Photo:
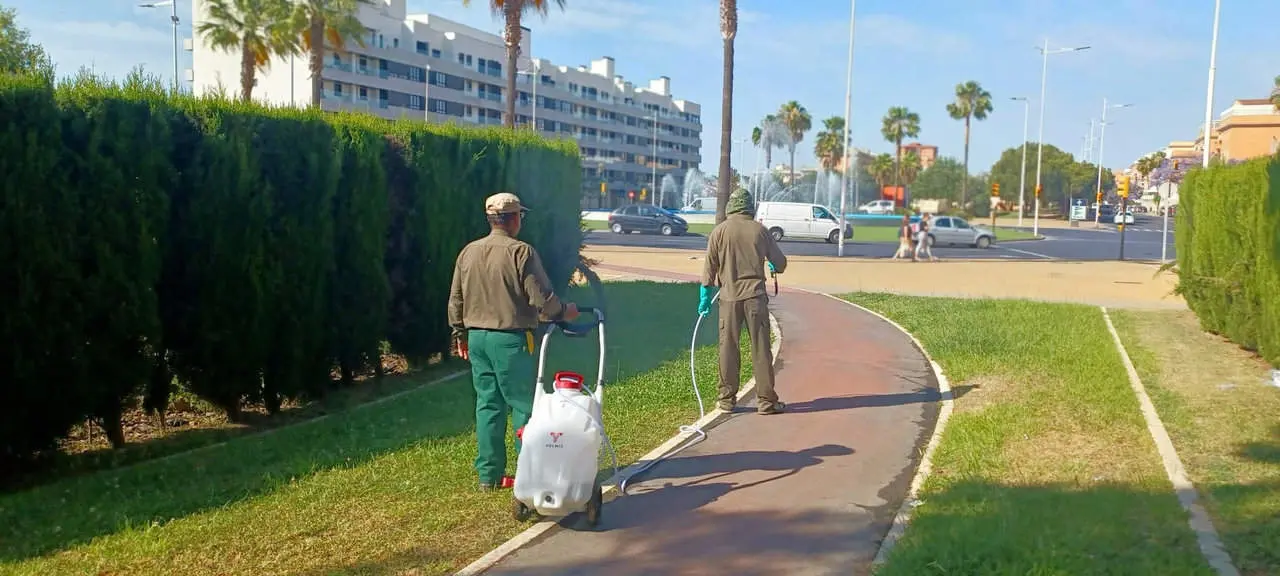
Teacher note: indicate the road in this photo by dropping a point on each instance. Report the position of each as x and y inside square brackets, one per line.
[1142, 242]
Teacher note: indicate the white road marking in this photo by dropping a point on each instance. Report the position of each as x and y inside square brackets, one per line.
[1027, 252]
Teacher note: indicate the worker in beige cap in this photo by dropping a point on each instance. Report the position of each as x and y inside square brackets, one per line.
[499, 293]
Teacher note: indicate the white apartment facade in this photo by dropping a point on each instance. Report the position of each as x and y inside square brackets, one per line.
[416, 67]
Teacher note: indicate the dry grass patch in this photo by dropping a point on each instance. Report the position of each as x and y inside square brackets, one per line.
[1224, 418]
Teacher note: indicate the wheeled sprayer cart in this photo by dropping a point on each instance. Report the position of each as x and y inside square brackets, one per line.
[560, 445]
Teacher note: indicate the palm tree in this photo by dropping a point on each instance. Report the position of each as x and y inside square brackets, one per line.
[972, 102]
[259, 29]
[828, 148]
[728, 31]
[1275, 94]
[768, 135]
[512, 12]
[881, 170]
[911, 168]
[326, 22]
[796, 120]
[898, 124]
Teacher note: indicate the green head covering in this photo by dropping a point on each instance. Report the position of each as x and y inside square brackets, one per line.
[740, 203]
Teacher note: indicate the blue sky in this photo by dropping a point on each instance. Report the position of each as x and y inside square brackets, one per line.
[1151, 53]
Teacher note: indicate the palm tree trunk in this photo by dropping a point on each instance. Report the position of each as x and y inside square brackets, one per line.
[964, 183]
[315, 35]
[729, 31]
[512, 37]
[246, 72]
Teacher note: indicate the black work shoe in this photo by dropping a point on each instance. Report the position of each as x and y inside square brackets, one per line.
[775, 408]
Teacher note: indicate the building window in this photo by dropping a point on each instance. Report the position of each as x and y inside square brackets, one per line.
[438, 106]
[416, 74]
[364, 93]
[395, 42]
[438, 79]
[423, 48]
[468, 63]
[462, 58]
[435, 53]
[415, 102]
[337, 89]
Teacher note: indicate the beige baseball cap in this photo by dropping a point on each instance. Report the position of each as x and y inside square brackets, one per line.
[503, 203]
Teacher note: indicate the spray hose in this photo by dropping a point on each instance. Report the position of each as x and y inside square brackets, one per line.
[694, 430]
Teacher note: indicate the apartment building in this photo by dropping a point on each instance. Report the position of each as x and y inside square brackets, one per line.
[927, 153]
[421, 67]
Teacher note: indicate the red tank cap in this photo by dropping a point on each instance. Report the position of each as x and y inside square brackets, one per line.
[568, 381]
[520, 433]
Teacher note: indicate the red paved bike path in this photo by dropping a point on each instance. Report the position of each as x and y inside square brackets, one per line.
[811, 491]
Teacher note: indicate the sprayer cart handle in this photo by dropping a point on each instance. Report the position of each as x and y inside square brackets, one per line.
[575, 330]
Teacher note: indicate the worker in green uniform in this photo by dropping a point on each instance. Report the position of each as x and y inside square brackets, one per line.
[736, 253]
[500, 292]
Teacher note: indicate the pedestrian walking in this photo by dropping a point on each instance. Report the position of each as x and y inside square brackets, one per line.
[499, 291]
[736, 253]
[922, 238]
[905, 236]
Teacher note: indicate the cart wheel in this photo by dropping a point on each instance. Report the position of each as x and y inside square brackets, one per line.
[595, 507]
[520, 512]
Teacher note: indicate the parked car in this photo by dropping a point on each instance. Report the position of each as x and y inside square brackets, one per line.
[646, 218]
[800, 220]
[953, 230]
[1124, 218]
[877, 207]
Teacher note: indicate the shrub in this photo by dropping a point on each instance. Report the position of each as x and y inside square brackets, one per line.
[1228, 245]
[244, 251]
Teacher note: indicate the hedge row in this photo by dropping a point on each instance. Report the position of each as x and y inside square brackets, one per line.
[246, 252]
[1228, 245]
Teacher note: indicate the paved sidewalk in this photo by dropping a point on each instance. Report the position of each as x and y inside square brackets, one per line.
[1111, 284]
[812, 491]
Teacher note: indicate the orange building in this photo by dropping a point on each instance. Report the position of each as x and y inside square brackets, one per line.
[1247, 129]
[928, 153]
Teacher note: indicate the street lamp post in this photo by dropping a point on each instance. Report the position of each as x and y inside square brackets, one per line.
[654, 160]
[1022, 180]
[1102, 144]
[173, 17]
[1044, 75]
[1213, 67]
[848, 121]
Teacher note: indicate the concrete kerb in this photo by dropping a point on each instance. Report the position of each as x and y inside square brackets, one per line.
[543, 528]
[1201, 524]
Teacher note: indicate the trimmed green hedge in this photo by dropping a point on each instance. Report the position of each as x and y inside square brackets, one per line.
[246, 252]
[1229, 252]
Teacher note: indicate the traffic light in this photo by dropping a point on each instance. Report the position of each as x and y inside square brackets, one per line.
[604, 188]
[1038, 189]
[1175, 164]
[1099, 197]
[995, 189]
[643, 192]
[1122, 187]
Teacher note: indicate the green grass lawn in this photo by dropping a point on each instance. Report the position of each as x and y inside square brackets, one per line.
[1224, 419]
[861, 233]
[380, 488]
[1046, 466]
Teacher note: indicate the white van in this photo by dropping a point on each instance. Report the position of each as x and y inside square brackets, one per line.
[799, 220]
[701, 204]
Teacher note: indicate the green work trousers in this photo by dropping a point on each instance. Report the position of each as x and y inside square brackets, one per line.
[754, 313]
[502, 372]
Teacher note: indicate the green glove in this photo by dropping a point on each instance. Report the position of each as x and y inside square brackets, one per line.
[772, 270]
[704, 300]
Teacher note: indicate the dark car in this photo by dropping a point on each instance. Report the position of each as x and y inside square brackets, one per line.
[646, 218]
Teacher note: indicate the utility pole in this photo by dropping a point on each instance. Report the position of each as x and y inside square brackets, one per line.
[848, 122]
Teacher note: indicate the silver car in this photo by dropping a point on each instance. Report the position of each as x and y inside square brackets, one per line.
[953, 230]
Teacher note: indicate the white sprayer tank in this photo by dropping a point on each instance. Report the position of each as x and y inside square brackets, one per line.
[558, 463]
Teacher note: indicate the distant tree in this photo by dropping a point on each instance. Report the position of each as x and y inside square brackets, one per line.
[258, 29]
[829, 146]
[321, 24]
[940, 181]
[1275, 94]
[911, 168]
[897, 125]
[18, 54]
[797, 121]
[972, 102]
[512, 12]
[882, 170]
[1063, 177]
